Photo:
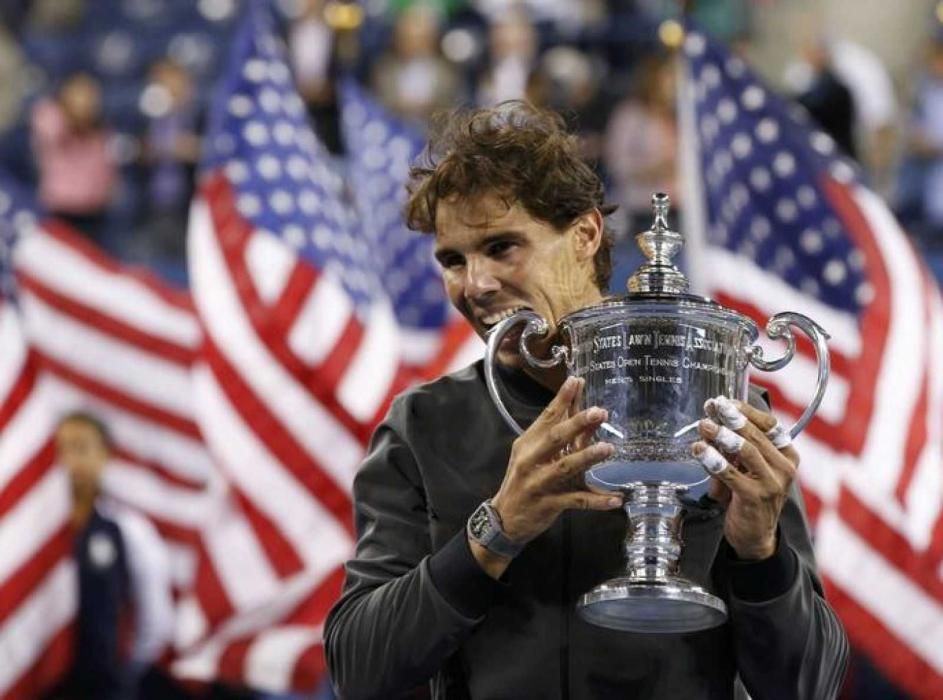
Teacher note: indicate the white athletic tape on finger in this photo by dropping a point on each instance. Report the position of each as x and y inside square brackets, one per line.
[713, 461]
[779, 436]
[728, 440]
[728, 413]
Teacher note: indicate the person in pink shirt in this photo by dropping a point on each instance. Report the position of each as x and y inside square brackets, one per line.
[73, 151]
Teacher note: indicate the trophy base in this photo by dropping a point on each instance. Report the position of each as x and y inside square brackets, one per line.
[672, 605]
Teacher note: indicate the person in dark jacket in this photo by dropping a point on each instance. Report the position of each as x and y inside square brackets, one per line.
[518, 221]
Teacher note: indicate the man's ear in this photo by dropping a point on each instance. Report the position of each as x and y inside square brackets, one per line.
[587, 234]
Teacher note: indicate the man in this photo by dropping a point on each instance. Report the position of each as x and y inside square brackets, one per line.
[123, 574]
[518, 223]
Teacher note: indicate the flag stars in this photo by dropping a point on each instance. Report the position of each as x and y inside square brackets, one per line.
[694, 44]
[248, 205]
[256, 133]
[375, 132]
[278, 72]
[254, 70]
[727, 111]
[760, 178]
[710, 76]
[864, 293]
[281, 202]
[741, 145]
[843, 172]
[760, 228]
[240, 106]
[269, 167]
[856, 259]
[806, 197]
[270, 100]
[767, 130]
[735, 67]
[237, 171]
[811, 241]
[710, 127]
[784, 164]
[309, 202]
[297, 168]
[321, 237]
[810, 286]
[284, 133]
[783, 259]
[823, 143]
[835, 272]
[753, 98]
[786, 210]
[294, 236]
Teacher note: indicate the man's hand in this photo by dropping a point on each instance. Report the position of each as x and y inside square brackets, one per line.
[751, 474]
[545, 473]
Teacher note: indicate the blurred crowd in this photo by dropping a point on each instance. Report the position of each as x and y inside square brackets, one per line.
[102, 104]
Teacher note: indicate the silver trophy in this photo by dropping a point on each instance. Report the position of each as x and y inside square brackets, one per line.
[652, 358]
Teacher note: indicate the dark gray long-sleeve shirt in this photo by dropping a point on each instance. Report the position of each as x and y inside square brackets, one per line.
[417, 607]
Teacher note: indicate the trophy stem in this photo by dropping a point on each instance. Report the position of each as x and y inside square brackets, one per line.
[653, 539]
[652, 595]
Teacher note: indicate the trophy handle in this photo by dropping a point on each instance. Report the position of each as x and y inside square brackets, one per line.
[536, 325]
[779, 327]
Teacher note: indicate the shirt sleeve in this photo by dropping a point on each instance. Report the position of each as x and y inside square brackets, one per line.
[789, 642]
[404, 610]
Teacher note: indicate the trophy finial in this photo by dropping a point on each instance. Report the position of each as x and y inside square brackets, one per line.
[660, 245]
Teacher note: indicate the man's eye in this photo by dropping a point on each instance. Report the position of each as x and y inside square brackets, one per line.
[450, 262]
[499, 247]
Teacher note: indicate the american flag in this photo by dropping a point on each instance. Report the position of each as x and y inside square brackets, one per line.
[80, 332]
[780, 220]
[303, 349]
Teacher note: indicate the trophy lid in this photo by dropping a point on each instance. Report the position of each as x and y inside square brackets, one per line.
[660, 244]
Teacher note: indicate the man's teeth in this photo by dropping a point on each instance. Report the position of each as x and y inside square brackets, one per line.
[500, 316]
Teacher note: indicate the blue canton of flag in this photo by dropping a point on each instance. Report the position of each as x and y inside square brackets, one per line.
[761, 160]
[381, 149]
[18, 213]
[284, 179]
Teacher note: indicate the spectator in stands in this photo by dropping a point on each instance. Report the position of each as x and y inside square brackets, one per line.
[123, 575]
[641, 143]
[311, 42]
[920, 194]
[413, 79]
[172, 150]
[512, 44]
[73, 151]
[826, 97]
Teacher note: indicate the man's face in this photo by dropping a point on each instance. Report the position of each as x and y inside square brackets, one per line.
[82, 451]
[498, 259]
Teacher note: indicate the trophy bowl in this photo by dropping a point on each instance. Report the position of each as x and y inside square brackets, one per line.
[652, 359]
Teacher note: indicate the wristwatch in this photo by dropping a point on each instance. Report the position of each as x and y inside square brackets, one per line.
[484, 527]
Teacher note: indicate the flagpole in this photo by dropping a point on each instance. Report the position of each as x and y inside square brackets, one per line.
[693, 219]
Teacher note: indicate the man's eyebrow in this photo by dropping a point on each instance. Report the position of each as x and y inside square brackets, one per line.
[501, 235]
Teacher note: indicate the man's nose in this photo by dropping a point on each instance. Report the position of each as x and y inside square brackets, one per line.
[480, 279]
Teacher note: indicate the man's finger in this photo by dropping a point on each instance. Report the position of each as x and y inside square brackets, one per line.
[717, 466]
[578, 462]
[777, 433]
[559, 406]
[561, 436]
[759, 453]
[586, 500]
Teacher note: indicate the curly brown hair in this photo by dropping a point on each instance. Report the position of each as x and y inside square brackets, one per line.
[518, 152]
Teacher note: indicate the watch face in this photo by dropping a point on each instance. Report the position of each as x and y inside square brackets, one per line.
[479, 523]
